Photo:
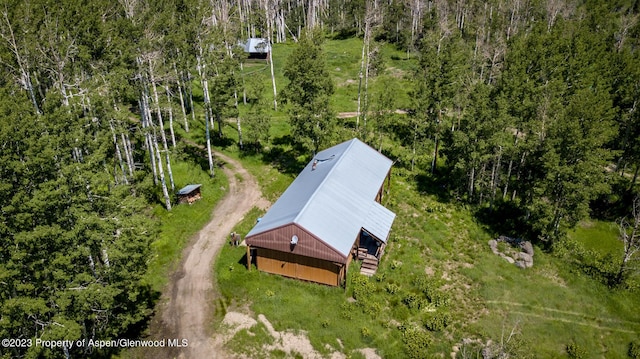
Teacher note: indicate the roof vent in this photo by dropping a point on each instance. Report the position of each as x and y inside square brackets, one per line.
[317, 161]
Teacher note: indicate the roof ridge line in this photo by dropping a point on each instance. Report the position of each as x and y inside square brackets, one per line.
[295, 219]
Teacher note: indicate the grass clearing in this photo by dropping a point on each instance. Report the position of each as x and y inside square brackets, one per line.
[599, 236]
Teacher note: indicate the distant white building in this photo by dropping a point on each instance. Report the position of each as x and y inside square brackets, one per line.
[257, 48]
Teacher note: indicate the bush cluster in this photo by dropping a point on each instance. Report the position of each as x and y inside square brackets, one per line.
[575, 351]
[362, 288]
[436, 321]
[416, 342]
[603, 268]
[634, 350]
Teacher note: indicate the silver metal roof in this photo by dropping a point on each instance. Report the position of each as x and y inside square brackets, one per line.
[189, 188]
[378, 222]
[335, 200]
[257, 45]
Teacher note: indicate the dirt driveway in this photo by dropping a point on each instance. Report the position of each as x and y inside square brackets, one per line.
[185, 309]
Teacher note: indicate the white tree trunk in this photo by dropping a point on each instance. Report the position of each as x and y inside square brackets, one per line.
[273, 77]
[189, 89]
[207, 111]
[118, 154]
[182, 105]
[127, 153]
[170, 110]
[25, 78]
[165, 192]
[361, 74]
[144, 112]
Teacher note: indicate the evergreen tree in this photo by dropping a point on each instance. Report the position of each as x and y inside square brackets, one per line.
[440, 78]
[257, 123]
[308, 92]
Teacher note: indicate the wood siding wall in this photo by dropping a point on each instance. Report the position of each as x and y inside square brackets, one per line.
[279, 239]
[300, 267]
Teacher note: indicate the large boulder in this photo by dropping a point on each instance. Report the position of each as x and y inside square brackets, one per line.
[527, 247]
[507, 258]
[493, 244]
[526, 258]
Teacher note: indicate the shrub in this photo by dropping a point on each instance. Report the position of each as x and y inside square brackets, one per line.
[439, 299]
[416, 342]
[603, 268]
[574, 351]
[392, 288]
[426, 286]
[411, 300]
[634, 350]
[372, 308]
[436, 321]
[346, 310]
[362, 288]
[430, 289]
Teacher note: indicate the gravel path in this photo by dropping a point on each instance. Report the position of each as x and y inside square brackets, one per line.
[186, 306]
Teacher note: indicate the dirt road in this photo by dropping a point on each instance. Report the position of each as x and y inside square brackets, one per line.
[186, 305]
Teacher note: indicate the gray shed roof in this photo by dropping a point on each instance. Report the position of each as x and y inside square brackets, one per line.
[335, 200]
[257, 45]
[189, 188]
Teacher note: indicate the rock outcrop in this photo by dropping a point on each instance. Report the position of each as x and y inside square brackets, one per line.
[516, 252]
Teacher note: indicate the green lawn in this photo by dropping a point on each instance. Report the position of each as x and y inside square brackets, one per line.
[599, 236]
[343, 63]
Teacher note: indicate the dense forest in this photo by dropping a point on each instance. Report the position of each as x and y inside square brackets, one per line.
[524, 109]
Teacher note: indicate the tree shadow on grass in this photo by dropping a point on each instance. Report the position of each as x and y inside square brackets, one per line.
[436, 186]
[195, 154]
[616, 203]
[222, 142]
[284, 155]
[344, 33]
[507, 219]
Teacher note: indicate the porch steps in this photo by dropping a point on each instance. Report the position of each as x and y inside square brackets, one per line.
[369, 265]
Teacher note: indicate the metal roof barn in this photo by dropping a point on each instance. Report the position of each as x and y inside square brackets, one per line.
[323, 212]
[257, 47]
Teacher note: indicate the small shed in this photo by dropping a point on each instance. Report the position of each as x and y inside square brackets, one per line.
[257, 48]
[330, 214]
[189, 193]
